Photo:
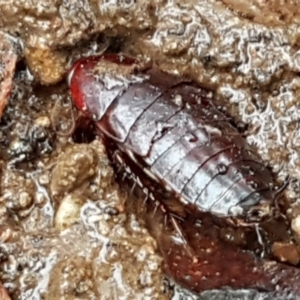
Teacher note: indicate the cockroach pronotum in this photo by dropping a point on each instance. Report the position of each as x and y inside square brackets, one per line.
[190, 159]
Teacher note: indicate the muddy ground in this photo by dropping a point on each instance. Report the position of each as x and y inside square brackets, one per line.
[65, 230]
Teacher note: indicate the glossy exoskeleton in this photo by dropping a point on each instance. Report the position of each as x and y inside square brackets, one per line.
[178, 144]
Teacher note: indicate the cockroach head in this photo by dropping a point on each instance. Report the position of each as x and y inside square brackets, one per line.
[81, 81]
[96, 81]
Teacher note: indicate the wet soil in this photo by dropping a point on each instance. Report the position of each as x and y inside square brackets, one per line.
[64, 229]
[8, 62]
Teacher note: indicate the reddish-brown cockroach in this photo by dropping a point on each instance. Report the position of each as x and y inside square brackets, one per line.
[188, 157]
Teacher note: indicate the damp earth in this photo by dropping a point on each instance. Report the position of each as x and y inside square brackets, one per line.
[66, 229]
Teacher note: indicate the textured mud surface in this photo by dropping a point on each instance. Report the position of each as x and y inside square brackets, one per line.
[64, 232]
[8, 59]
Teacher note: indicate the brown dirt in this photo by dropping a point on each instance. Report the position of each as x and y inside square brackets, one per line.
[54, 193]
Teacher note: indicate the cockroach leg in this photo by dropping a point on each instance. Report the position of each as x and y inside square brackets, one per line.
[133, 187]
[260, 240]
[181, 234]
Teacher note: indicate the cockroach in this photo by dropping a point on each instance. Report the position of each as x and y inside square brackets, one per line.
[190, 159]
